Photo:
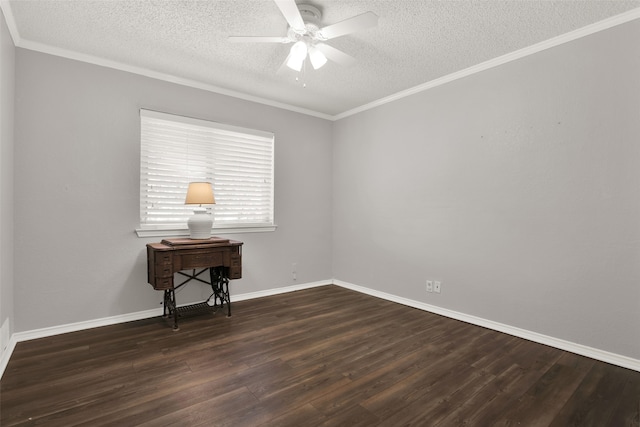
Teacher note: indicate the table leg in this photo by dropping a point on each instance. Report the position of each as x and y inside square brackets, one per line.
[164, 303]
[220, 287]
[170, 306]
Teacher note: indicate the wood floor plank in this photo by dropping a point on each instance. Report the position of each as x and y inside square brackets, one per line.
[490, 400]
[546, 397]
[305, 415]
[418, 386]
[325, 356]
[587, 406]
[627, 412]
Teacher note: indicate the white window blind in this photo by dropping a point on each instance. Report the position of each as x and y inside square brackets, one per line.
[176, 150]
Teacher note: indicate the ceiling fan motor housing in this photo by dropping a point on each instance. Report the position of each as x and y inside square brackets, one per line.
[310, 14]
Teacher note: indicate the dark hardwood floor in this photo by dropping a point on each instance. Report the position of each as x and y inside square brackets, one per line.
[322, 356]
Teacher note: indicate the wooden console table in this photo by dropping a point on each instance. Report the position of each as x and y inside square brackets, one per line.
[222, 258]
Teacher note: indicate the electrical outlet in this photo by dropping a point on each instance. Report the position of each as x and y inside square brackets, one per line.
[429, 286]
[294, 273]
[437, 286]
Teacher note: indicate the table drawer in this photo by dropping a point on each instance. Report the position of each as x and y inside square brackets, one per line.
[201, 260]
[163, 258]
[235, 269]
[163, 270]
[163, 283]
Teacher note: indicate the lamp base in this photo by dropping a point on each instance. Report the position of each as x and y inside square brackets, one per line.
[200, 224]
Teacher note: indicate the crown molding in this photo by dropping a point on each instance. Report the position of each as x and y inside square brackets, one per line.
[501, 60]
[613, 21]
[39, 47]
[18, 41]
[5, 7]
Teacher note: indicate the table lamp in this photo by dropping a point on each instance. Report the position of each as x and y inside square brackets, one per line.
[200, 193]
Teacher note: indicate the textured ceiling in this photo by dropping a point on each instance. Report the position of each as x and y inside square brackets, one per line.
[416, 41]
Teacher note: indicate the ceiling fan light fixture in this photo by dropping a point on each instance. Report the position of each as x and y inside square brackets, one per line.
[316, 57]
[297, 55]
[308, 35]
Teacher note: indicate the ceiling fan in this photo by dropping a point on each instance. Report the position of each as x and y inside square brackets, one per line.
[308, 37]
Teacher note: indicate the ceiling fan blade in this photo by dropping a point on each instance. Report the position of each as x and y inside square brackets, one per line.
[291, 13]
[252, 39]
[351, 25]
[336, 55]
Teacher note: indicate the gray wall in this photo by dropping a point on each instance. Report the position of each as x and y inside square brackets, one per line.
[518, 188]
[7, 62]
[77, 191]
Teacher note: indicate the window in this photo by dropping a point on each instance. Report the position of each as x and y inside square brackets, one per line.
[176, 150]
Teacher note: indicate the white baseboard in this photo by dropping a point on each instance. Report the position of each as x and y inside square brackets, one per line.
[88, 324]
[594, 353]
[71, 327]
[583, 350]
[276, 291]
[105, 321]
[6, 355]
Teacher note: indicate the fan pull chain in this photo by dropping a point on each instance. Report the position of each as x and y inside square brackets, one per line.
[302, 80]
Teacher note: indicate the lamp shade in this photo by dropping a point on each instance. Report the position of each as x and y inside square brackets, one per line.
[200, 193]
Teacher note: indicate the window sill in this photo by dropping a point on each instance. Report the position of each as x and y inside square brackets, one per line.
[184, 232]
